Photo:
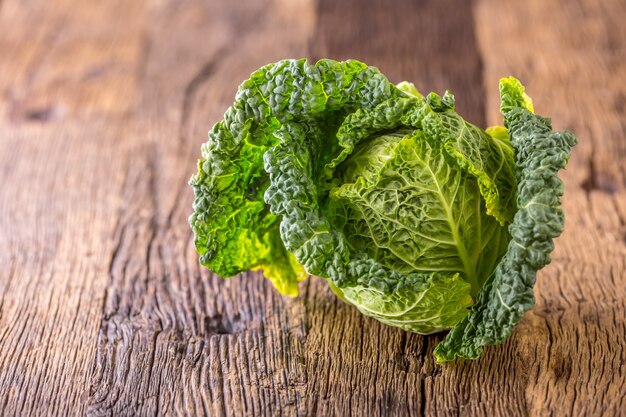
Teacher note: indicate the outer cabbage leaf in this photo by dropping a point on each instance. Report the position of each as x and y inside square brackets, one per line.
[539, 155]
[233, 229]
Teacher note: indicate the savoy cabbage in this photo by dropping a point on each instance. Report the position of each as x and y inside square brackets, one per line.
[413, 215]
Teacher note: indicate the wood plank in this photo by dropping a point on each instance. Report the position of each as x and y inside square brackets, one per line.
[62, 144]
[571, 56]
[176, 339]
[356, 365]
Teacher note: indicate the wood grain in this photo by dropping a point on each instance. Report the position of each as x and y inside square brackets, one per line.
[104, 310]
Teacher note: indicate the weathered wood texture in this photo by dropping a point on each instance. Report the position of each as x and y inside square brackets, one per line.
[104, 310]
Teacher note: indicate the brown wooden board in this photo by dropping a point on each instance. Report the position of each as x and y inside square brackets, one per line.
[104, 310]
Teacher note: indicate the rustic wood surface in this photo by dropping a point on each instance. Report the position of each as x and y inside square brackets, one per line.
[104, 310]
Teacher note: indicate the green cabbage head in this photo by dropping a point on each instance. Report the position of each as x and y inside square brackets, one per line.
[413, 215]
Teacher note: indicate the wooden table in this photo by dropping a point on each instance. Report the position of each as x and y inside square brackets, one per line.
[104, 310]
